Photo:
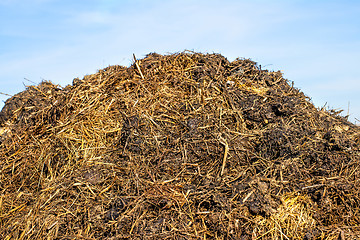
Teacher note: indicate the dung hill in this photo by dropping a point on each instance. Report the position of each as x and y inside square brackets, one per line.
[181, 146]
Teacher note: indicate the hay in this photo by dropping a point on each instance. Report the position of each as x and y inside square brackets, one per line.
[181, 146]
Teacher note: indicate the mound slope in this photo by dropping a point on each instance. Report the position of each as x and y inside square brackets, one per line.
[181, 146]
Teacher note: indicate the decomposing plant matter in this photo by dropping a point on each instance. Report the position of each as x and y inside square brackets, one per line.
[181, 146]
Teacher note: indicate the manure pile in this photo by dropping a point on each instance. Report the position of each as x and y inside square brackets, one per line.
[181, 146]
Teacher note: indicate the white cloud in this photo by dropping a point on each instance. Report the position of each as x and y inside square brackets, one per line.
[89, 18]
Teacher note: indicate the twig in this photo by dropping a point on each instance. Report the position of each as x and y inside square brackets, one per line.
[142, 76]
[313, 186]
[226, 145]
[138, 67]
[6, 94]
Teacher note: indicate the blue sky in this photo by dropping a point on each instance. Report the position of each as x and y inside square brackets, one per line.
[315, 43]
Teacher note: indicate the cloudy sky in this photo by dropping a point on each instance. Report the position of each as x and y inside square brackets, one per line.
[316, 44]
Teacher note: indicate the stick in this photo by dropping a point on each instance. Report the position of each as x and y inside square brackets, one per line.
[138, 67]
[223, 141]
[142, 76]
[5, 94]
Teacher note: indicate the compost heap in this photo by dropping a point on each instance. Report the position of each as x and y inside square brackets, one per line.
[181, 146]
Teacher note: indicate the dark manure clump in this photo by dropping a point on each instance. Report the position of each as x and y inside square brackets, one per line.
[180, 146]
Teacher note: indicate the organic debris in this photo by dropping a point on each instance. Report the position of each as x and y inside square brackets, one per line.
[181, 146]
